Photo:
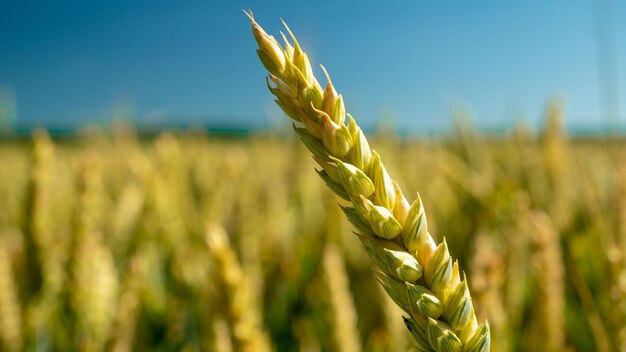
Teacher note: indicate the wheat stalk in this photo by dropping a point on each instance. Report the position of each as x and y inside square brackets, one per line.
[418, 275]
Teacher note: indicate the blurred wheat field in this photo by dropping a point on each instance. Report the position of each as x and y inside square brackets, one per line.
[202, 243]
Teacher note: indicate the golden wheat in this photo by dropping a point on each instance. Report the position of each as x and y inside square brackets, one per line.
[419, 275]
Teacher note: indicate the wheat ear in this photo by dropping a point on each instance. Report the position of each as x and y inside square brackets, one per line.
[418, 275]
[246, 323]
[548, 266]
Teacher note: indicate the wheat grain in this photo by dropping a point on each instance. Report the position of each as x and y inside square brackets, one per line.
[419, 275]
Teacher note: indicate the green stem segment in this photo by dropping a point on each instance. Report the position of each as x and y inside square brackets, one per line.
[419, 275]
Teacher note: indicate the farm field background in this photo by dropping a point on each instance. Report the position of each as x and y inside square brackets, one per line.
[190, 241]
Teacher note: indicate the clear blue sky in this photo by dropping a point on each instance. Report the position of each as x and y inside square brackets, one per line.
[72, 62]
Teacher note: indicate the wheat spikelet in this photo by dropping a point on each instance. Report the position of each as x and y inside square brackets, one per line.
[345, 328]
[419, 275]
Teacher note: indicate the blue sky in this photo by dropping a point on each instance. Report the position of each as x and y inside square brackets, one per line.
[194, 62]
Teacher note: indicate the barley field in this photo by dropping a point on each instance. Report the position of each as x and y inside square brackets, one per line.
[196, 242]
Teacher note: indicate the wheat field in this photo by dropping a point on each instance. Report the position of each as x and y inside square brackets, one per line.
[197, 242]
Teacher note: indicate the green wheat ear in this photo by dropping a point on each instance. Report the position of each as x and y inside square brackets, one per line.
[419, 275]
